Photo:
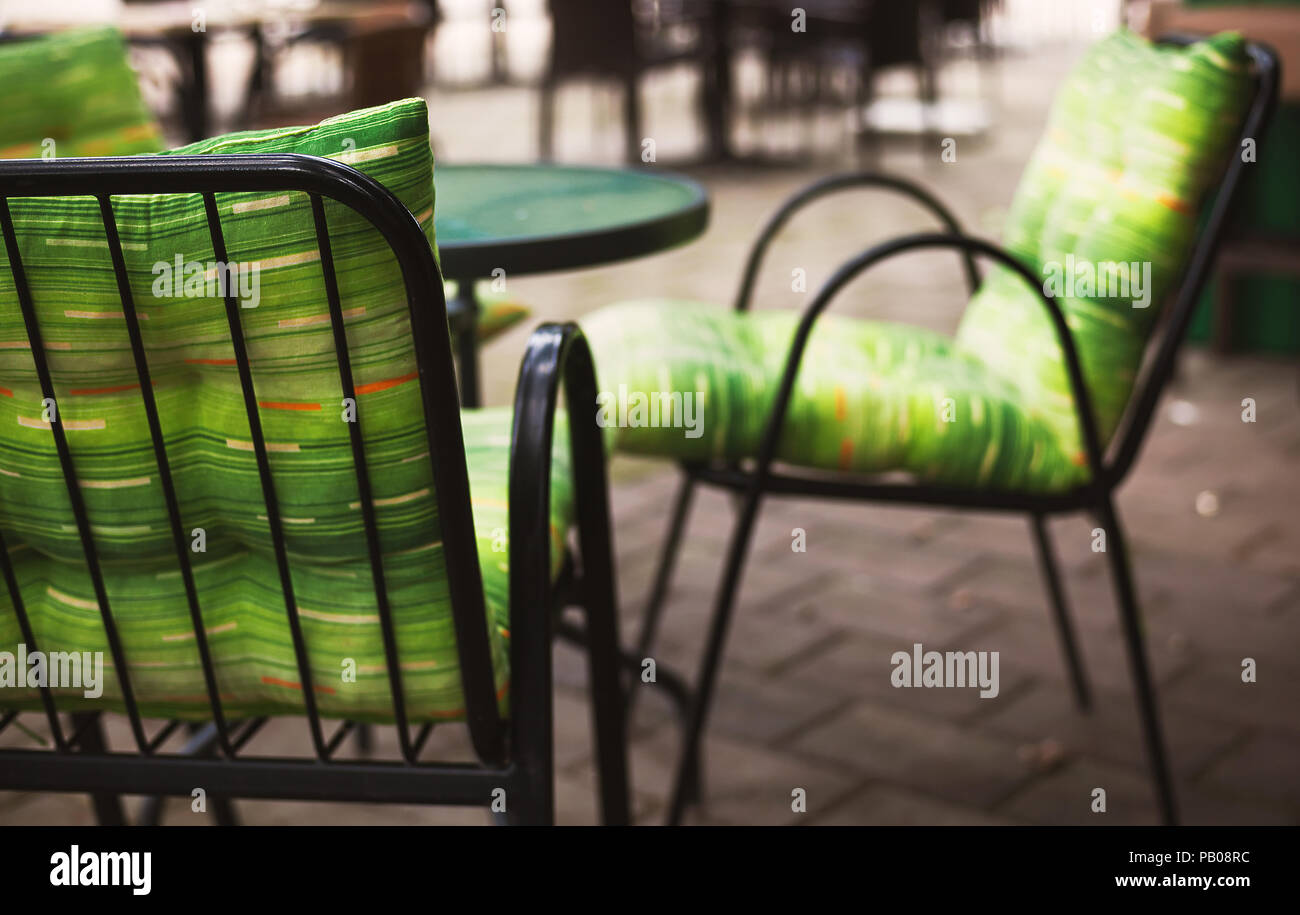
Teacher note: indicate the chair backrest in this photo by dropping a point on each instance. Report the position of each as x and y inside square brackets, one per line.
[1162, 351]
[242, 479]
[1108, 213]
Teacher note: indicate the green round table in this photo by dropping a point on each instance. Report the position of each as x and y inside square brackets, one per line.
[535, 218]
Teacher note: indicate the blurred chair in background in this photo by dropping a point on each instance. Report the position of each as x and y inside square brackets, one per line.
[606, 40]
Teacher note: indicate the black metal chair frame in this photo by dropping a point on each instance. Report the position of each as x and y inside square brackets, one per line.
[514, 753]
[602, 40]
[1108, 467]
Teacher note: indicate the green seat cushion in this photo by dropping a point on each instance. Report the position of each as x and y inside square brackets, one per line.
[870, 396]
[76, 89]
[1136, 138]
[200, 402]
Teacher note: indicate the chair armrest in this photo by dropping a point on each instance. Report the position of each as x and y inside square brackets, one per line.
[834, 184]
[872, 256]
[556, 353]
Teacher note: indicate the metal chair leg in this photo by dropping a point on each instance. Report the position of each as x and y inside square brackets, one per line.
[663, 575]
[1061, 614]
[632, 120]
[546, 122]
[1137, 656]
[654, 613]
[604, 659]
[108, 807]
[710, 662]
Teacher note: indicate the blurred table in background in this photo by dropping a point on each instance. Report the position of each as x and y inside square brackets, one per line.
[499, 221]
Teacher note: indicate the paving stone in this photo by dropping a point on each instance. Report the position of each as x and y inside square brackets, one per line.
[744, 784]
[1226, 588]
[876, 606]
[1032, 647]
[1047, 715]
[761, 710]
[888, 805]
[859, 667]
[1011, 535]
[1267, 768]
[1218, 694]
[1018, 585]
[917, 566]
[963, 765]
[48, 809]
[756, 641]
[1065, 797]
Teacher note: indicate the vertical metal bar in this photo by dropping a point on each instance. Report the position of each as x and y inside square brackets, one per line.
[374, 547]
[29, 639]
[1139, 665]
[107, 805]
[428, 313]
[466, 331]
[1061, 612]
[70, 475]
[663, 575]
[164, 467]
[268, 481]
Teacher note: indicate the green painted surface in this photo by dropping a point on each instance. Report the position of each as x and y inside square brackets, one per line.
[517, 202]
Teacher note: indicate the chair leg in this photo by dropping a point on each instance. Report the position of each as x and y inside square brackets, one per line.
[546, 122]
[1061, 614]
[632, 120]
[604, 661]
[710, 662]
[609, 715]
[654, 613]
[1137, 657]
[663, 575]
[108, 807]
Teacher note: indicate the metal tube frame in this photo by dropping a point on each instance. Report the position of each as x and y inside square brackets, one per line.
[513, 753]
[1107, 468]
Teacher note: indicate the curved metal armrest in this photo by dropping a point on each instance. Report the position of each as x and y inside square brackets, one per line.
[831, 185]
[873, 256]
[558, 353]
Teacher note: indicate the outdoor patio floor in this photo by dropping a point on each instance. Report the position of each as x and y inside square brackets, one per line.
[805, 699]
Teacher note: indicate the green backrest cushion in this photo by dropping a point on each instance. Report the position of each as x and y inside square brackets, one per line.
[291, 348]
[76, 89]
[1137, 135]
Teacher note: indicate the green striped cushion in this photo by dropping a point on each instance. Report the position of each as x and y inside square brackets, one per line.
[870, 396]
[1138, 134]
[1136, 138]
[291, 350]
[76, 89]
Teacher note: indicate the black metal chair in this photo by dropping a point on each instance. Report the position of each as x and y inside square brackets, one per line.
[1108, 467]
[603, 39]
[514, 754]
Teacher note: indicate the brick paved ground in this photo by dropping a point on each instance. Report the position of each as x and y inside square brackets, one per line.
[805, 700]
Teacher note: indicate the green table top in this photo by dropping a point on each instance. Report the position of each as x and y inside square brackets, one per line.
[534, 218]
